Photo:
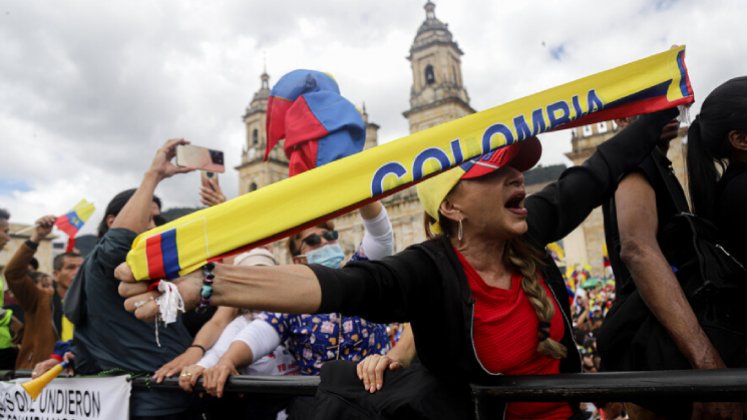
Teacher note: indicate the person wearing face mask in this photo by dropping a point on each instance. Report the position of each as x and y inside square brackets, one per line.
[313, 339]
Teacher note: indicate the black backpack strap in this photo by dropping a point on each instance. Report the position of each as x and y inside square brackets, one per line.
[672, 185]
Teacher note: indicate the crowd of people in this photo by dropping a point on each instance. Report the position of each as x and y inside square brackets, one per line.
[402, 335]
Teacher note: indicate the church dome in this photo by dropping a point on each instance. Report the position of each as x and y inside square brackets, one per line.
[259, 100]
[264, 90]
[432, 30]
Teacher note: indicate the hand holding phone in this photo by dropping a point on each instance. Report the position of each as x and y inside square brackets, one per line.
[197, 157]
[210, 191]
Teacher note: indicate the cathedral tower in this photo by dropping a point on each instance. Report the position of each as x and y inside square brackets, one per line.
[437, 94]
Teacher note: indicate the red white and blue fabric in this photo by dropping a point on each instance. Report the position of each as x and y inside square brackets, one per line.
[70, 223]
[163, 258]
[319, 125]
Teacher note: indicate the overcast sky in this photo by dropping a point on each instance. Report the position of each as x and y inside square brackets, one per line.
[90, 89]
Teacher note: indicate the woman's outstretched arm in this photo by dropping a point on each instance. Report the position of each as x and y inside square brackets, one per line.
[288, 288]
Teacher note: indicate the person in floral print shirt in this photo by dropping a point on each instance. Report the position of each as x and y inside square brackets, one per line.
[313, 339]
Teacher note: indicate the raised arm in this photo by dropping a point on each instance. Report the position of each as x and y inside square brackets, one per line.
[17, 270]
[561, 206]
[135, 215]
[378, 236]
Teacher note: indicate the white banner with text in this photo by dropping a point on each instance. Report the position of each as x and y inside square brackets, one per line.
[106, 398]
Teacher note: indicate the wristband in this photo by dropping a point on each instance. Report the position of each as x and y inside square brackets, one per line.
[198, 347]
[31, 244]
[207, 286]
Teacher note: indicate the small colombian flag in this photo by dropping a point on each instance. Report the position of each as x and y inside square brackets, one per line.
[72, 221]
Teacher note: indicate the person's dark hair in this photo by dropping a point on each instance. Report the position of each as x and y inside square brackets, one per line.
[59, 259]
[116, 205]
[4, 214]
[294, 246]
[34, 263]
[708, 147]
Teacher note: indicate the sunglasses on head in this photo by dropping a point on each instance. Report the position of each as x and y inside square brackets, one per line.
[315, 239]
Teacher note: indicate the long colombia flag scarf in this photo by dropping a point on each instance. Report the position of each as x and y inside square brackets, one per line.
[273, 212]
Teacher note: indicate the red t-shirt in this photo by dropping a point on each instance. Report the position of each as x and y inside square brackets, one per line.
[505, 329]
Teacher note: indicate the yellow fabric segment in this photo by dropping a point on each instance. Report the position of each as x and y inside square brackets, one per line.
[67, 329]
[283, 206]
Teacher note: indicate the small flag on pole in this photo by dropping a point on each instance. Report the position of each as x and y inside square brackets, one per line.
[72, 221]
[556, 251]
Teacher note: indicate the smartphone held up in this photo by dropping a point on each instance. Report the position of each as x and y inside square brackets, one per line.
[197, 157]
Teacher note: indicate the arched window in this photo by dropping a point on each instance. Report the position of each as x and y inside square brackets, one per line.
[252, 186]
[255, 136]
[430, 77]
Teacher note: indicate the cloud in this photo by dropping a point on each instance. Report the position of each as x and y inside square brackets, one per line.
[89, 91]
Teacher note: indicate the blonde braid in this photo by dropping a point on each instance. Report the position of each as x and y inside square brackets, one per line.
[522, 257]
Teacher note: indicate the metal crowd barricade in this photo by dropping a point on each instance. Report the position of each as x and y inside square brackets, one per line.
[684, 385]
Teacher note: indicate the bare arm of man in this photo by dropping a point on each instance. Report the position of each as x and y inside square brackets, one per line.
[638, 223]
[652, 274]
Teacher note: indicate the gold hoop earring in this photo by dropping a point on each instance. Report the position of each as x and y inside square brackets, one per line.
[460, 231]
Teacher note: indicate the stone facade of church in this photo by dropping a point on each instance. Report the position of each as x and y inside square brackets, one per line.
[437, 95]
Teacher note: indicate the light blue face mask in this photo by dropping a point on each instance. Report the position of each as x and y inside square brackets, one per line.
[329, 255]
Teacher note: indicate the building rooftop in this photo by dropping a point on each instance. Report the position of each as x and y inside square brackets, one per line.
[543, 174]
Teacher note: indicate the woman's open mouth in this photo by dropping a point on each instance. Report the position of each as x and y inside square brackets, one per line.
[515, 204]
